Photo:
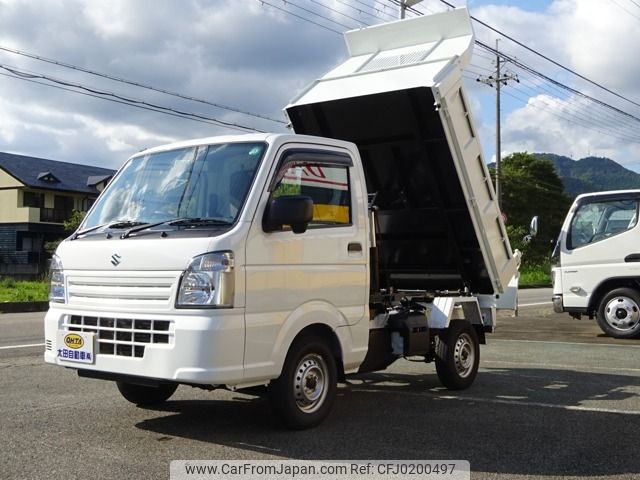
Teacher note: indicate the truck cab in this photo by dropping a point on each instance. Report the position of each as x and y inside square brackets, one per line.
[596, 270]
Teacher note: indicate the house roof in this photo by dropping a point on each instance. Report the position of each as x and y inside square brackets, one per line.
[53, 175]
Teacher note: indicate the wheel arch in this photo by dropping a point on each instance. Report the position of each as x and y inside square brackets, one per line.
[608, 285]
[325, 332]
[314, 318]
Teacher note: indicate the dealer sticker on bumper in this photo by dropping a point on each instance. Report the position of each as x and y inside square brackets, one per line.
[75, 346]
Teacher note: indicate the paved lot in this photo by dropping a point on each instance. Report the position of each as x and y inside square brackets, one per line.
[554, 399]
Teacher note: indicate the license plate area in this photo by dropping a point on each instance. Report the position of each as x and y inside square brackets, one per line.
[75, 347]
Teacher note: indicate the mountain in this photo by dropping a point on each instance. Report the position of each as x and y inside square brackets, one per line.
[591, 174]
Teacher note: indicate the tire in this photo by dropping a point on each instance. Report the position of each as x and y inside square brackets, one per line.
[143, 395]
[458, 355]
[619, 313]
[304, 393]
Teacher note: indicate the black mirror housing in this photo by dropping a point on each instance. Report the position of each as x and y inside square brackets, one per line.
[293, 210]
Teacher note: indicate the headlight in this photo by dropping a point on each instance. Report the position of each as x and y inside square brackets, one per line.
[208, 281]
[57, 291]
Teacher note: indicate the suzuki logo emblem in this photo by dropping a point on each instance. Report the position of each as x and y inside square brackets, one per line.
[115, 259]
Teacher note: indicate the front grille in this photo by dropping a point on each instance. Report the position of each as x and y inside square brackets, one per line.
[148, 291]
[122, 337]
[48, 345]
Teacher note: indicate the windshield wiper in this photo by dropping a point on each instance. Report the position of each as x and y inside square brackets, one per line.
[124, 224]
[141, 226]
[86, 230]
[177, 221]
[136, 226]
[200, 221]
[118, 224]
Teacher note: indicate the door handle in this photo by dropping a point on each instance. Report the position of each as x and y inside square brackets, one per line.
[634, 257]
[354, 247]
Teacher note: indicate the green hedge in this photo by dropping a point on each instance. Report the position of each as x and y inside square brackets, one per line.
[23, 291]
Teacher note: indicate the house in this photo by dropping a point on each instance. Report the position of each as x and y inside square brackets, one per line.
[36, 196]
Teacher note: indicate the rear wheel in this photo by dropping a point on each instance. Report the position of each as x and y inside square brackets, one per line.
[145, 395]
[304, 393]
[458, 356]
[619, 313]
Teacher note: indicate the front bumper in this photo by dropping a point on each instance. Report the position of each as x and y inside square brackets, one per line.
[198, 346]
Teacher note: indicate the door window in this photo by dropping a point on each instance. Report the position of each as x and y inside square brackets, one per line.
[326, 185]
[598, 220]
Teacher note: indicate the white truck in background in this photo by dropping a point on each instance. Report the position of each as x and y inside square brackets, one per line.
[292, 260]
[596, 268]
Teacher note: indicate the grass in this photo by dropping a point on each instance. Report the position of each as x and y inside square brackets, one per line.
[23, 291]
[535, 275]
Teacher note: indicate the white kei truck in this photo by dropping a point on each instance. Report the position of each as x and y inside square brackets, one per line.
[596, 262]
[287, 261]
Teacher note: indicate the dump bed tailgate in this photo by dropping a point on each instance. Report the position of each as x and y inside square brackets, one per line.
[399, 98]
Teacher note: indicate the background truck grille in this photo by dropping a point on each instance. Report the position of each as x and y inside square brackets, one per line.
[122, 336]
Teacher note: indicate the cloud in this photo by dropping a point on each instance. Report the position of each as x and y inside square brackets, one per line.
[569, 126]
[591, 37]
[254, 58]
[240, 54]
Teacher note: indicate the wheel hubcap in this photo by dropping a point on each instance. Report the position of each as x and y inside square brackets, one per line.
[464, 355]
[622, 314]
[309, 383]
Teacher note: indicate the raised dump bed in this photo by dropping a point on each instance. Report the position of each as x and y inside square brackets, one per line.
[399, 97]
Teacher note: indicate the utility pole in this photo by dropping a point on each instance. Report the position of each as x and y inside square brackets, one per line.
[407, 3]
[499, 80]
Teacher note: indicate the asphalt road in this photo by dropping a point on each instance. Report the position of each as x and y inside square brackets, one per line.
[554, 399]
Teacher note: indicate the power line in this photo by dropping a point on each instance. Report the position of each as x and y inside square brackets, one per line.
[539, 74]
[339, 12]
[136, 84]
[289, 2]
[549, 108]
[122, 99]
[112, 100]
[574, 117]
[373, 6]
[621, 7]
[555, 82]
[264, 2]
[550, 60]
[603, 114]
[542, 76]
[600, 117]
[526, 69]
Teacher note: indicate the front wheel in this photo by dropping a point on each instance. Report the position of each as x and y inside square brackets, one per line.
[458, 355]
[304, 393]
[619, 313]
[143, 395]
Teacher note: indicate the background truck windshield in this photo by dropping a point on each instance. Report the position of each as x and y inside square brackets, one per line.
[207, 182]
[602, 219]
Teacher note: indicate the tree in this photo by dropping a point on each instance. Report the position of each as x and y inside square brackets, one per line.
[531, 186]
[73, 222]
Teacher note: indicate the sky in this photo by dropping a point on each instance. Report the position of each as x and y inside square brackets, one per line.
[243, 60]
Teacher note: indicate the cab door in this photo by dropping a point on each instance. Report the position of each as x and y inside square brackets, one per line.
[319, 276]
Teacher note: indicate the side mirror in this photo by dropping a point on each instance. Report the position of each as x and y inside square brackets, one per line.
[533, 230]
[293, 210]
[533, 227]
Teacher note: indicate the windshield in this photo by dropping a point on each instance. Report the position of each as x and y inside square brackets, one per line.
[601, 219]
[206, 182]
